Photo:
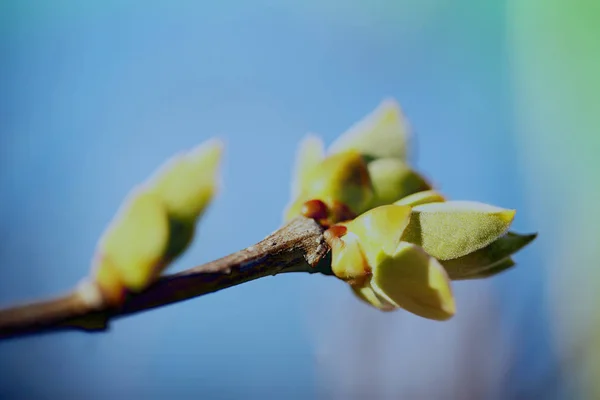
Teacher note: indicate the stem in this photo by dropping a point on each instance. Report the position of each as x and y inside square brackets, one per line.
[297, 247]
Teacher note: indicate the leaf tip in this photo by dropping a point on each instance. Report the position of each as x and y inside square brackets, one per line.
[508, 215]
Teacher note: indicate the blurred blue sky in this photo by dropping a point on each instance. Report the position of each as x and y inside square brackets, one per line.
[95, 95]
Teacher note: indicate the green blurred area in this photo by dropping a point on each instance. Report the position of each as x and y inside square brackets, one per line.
[555, 51]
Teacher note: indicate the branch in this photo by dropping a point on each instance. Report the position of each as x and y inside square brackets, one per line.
[296, 247]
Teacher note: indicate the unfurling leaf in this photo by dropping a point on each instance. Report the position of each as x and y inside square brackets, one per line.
[392, 180]
[415, 281]
[382, 134]
[483, 259]
[425, 197]
[385, 272]
[456, 228]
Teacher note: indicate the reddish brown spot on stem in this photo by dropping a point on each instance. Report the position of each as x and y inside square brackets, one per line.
[315, 209]
[332, 236]
[336, 231]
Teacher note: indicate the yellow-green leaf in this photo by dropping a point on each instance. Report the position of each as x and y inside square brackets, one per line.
[341, 178]
[379, 230]
[187, 183]
[381, 134]
[456, 228]
[424, 197]
[347, 259]
[136, 240]
[392, 180]
[482, 259]
[416, 282]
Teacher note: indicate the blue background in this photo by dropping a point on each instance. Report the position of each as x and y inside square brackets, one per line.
[95, 95]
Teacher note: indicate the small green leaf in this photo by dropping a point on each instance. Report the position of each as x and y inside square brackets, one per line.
[483, 259]
[181, 234]
[392, 180]
[456, 228]
[415, 281]
[381, 134]
[424, 197]
[493, 269]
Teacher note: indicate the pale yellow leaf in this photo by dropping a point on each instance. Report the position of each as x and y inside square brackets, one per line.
[415, 281]
[381, 134]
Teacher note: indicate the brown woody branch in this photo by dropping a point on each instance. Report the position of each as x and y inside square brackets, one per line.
[296, 247]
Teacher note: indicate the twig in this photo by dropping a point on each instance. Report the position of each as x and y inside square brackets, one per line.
[296, 247]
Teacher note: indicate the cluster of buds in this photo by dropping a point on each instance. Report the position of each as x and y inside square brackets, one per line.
[365, 168]
[397, 242]
[155, 224]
